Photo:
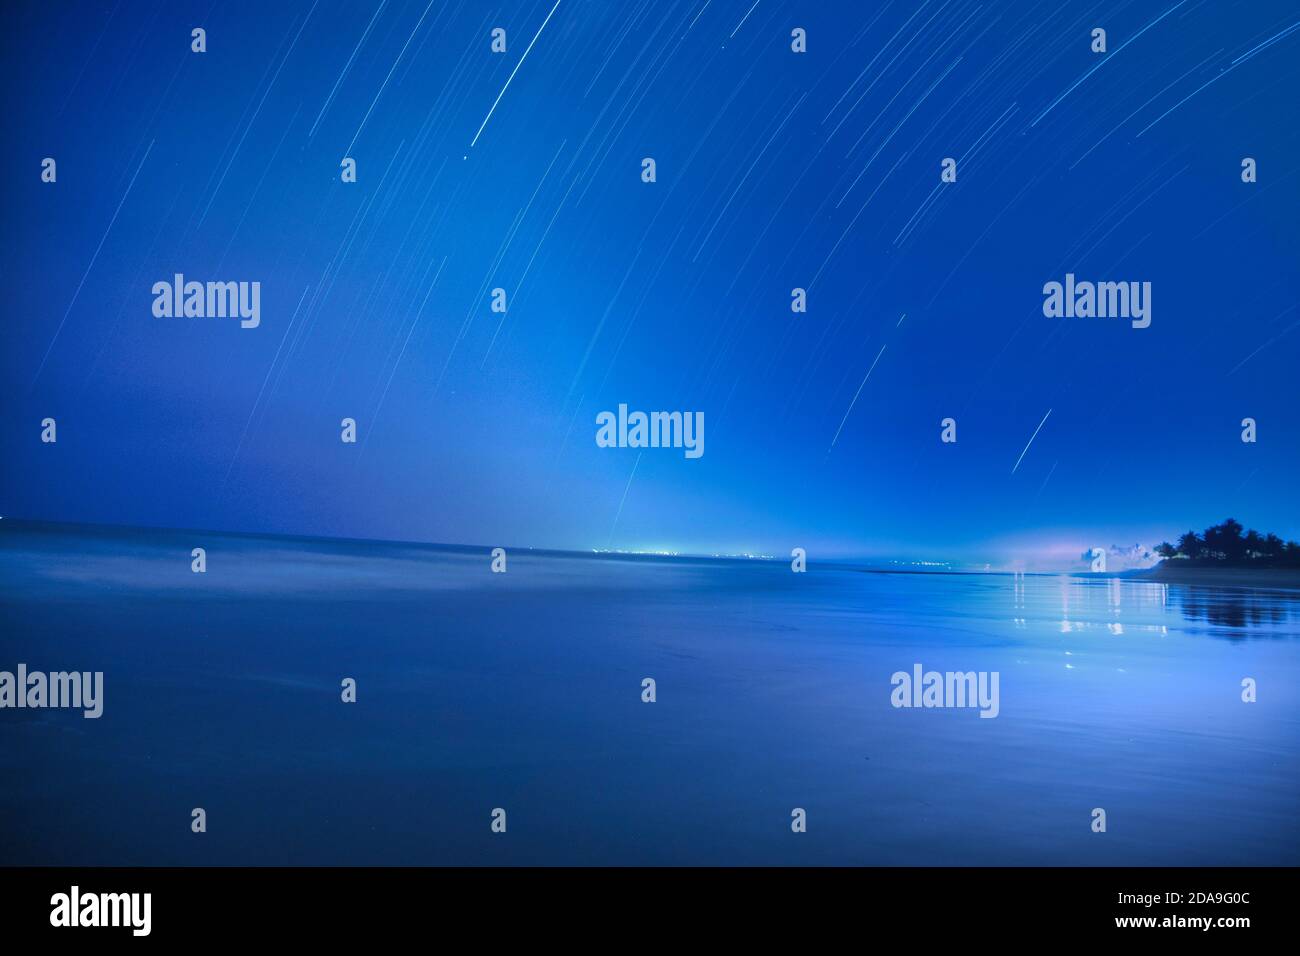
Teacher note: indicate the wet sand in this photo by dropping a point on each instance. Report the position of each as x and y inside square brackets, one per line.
[1284, 578]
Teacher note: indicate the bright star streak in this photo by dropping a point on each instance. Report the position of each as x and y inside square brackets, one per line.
[512, 74]
[1031, 441]
[855, 397]
[1102, 62]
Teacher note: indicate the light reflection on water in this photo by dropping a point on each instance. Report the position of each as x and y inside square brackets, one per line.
[479, 690]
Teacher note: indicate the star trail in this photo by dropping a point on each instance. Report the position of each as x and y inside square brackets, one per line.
[943, 159]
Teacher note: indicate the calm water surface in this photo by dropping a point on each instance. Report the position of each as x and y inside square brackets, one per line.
[523, 691]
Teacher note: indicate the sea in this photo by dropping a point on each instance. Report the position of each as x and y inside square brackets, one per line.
[520, 699]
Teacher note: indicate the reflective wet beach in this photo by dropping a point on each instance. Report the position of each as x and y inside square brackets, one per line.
[523, 691]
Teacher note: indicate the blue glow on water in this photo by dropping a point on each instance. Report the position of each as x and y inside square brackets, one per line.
[522, 690]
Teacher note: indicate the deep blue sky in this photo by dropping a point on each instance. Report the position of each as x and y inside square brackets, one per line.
[775, 170]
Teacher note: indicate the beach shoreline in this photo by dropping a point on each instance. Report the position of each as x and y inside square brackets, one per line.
[1287, 579]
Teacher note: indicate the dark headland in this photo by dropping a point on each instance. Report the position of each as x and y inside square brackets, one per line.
[1227, 555]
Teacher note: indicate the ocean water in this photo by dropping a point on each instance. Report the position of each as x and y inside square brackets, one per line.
[523, 691]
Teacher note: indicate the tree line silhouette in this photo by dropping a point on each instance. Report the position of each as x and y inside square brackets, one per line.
[1228, 544]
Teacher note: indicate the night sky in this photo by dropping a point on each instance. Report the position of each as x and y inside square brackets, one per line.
[775, 170]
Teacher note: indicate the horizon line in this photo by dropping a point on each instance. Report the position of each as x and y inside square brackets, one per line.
[858, 563]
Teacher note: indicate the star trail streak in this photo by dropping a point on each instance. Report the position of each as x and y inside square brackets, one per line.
[855, 396]
[944, 160]
[1031, 441]
[495, 102]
